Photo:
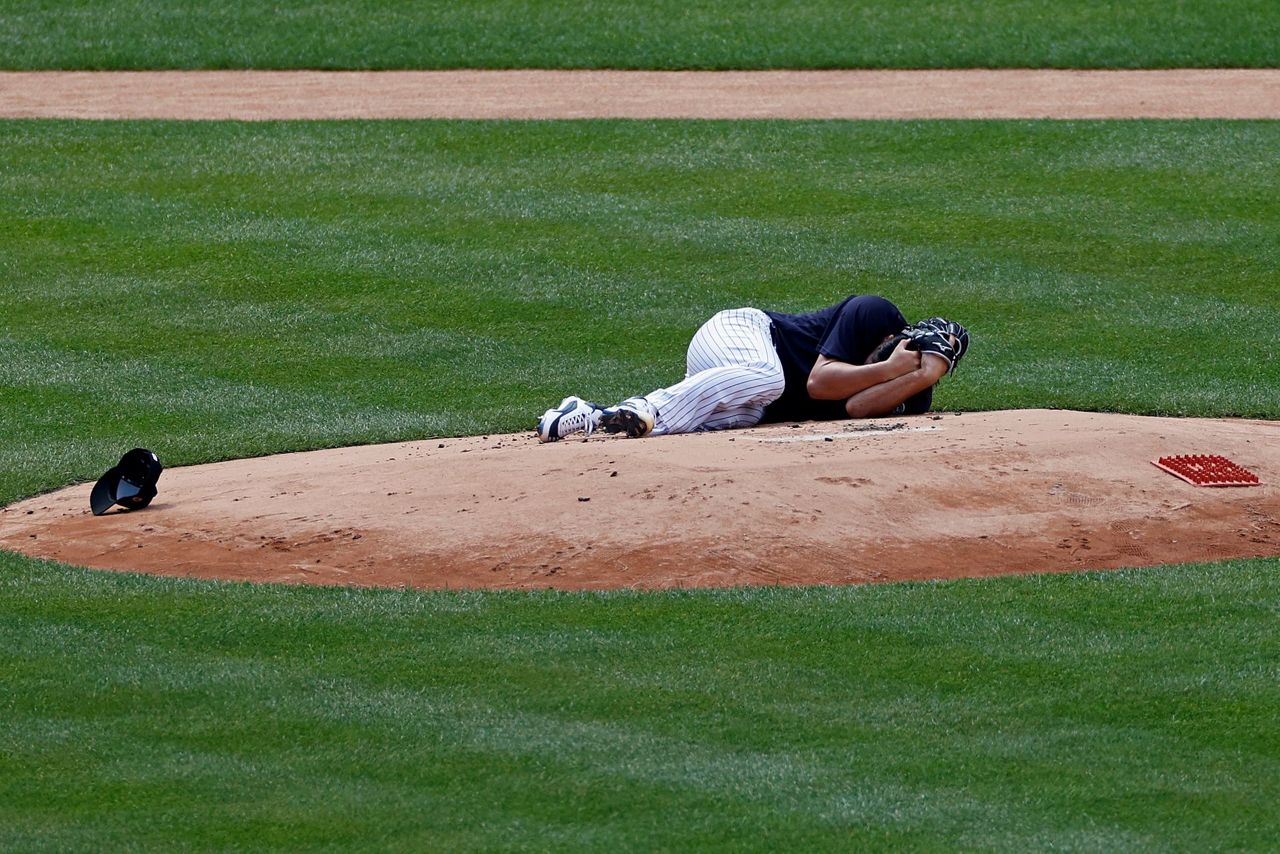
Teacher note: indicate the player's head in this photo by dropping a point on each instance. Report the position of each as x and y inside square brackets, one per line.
[886, 347]
[874, 317]
[918, 403]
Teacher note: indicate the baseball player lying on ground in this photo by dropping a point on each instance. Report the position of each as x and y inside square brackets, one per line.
[855, 359]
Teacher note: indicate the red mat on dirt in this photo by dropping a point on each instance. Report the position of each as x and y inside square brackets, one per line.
[1207, 470]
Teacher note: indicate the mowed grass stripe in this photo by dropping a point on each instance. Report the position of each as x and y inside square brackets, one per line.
[218, 290]
[660, 34]
[1057, 711]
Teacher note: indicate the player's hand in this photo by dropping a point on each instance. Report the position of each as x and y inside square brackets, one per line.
[941, 336]
[939, 364]
[903, 361]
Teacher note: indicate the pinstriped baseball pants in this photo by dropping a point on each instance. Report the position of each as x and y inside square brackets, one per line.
[733, 373]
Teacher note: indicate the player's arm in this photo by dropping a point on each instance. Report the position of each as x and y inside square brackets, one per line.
[832, 379]
[883, 398]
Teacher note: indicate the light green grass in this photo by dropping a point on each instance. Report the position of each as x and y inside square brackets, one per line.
[656, 34]
[1125, 711]
[223, 290]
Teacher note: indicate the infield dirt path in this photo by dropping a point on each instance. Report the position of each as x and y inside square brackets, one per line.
[1016, 93]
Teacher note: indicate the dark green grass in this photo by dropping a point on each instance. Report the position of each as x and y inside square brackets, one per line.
[223, 290]
[214, 290]
[1125, 711]
[616, 34]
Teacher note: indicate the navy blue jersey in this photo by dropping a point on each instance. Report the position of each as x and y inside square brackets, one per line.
[848, 332]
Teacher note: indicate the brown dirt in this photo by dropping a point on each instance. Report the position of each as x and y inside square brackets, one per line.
[929, 497]
[1011, 93]
[934, 496]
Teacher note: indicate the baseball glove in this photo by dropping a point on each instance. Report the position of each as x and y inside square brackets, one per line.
[934, 336]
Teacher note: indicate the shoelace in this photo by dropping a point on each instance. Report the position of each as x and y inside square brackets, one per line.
[582, 416]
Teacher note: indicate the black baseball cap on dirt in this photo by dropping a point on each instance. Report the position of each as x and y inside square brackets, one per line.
[131, 483]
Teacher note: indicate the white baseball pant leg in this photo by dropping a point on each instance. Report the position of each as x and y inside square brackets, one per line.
[733, 373]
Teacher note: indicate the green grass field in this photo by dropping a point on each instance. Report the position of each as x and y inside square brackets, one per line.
[1128, 711]
[216, 290]
[236, 289]
[99, 34]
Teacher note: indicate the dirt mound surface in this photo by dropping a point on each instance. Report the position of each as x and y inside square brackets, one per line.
[935, 496]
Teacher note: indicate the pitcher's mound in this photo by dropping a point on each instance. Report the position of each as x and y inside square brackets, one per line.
[935, 496]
